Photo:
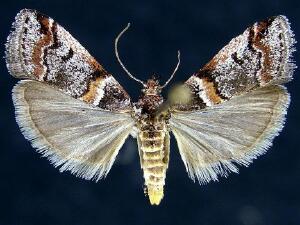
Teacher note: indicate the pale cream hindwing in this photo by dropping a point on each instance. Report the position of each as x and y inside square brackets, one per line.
[215, 140]
[74, 135]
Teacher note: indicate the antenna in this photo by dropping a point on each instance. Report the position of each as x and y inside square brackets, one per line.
[175, 70]
[118, 57]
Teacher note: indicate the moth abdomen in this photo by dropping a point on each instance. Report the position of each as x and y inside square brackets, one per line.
[154, 159]
[152, 144]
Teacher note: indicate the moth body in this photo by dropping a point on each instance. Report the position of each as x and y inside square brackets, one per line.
[153, 140]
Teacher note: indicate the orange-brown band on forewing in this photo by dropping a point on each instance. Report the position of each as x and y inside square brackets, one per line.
[258, 57]
[211, 92]
[257, 31]
[91, 94]
[205, 90]
[38, 50]
[275, 40]
[105, 92]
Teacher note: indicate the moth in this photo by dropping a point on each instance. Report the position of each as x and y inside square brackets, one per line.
[77, 115]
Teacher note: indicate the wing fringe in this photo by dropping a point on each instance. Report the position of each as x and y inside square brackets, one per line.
[206, 172]
[78, 166]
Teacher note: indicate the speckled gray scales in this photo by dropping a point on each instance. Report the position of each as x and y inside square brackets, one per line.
[40, 49]
[260, 56]
[78, 116]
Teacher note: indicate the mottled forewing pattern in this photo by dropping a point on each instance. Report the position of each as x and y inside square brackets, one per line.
[38, 48]
[260, 56]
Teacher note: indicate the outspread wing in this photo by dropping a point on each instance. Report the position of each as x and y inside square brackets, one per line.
[260, 56]
[213, 140]
[38, 48]
[236, 104]
[74, 135]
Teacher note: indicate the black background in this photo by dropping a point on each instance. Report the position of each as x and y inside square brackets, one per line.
[33, 192]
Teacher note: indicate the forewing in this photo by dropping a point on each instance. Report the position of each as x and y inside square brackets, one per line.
[260, 56]
[75, 136]
[214, 140]
[38, 48]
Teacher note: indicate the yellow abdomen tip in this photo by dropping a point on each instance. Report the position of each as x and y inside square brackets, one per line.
[155, 195]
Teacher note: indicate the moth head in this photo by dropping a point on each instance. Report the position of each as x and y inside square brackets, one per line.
[152, 87]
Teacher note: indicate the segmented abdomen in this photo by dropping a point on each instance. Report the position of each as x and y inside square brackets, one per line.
[154, 156]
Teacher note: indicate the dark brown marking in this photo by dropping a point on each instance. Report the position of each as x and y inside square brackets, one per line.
[55, 38]
[68, 56]
[236, 59]
[94, 80]
[23, 45]
[96, 74]
[255, 41]
[40, 45]
[26, 20]
[54, 45]
[114, 97]
[206, 73]
[281, 38]
[253, 49]
[44, 23]
[250, 39]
